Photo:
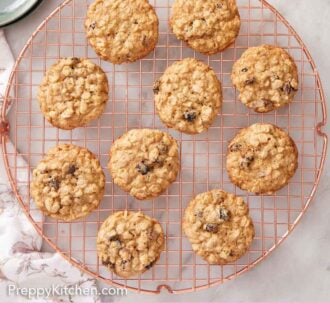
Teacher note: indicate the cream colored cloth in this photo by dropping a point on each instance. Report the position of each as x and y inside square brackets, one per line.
[26, 274]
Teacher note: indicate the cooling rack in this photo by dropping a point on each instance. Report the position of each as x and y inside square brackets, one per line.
[203, 156]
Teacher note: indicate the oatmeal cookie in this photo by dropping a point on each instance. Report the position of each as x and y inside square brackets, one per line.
[188, 96]
[144, 162]
[68, 183]
[266, 78]
[262, 159]
[122, 30]
[73, 92]
[129, 243]
[218, 226]
[208, 26]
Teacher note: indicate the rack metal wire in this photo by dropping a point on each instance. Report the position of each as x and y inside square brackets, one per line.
[203, 156]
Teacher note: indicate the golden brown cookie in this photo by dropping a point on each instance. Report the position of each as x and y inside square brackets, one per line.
[266, 78]
[208, 26]
[68, 183]
[218, 226]
[73, 92]
[261, 159]
[144, 162]
[188, 96]
[122, 30]
[129, 243]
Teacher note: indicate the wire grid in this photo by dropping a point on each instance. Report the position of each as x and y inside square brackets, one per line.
[130, 106]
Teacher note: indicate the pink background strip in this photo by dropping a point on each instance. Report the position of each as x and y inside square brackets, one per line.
[166, 316]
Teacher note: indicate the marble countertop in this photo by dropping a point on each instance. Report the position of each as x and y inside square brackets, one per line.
[298, 270]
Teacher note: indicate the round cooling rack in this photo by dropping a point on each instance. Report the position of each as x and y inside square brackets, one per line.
[202, 156]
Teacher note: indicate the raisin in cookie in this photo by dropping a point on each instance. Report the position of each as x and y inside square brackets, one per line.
[188, 96]
[208, 26]
[261, 159]
[73, 92]
[266, 78]
[122, 30]
[68, 183]
[129, 243]
[144, 162]
[218, 226]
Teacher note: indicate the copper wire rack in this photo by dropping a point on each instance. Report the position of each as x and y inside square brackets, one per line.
[131, 105]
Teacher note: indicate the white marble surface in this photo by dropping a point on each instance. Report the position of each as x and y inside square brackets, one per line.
[299, 270]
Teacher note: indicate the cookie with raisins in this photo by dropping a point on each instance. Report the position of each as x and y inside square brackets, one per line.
[188, 96]
[144, 162]
[68, 183]
[218, 226]
[262, 158]
[122, 30]
[130, 243]
[207, 26]
[266, 78]
[73, 92]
